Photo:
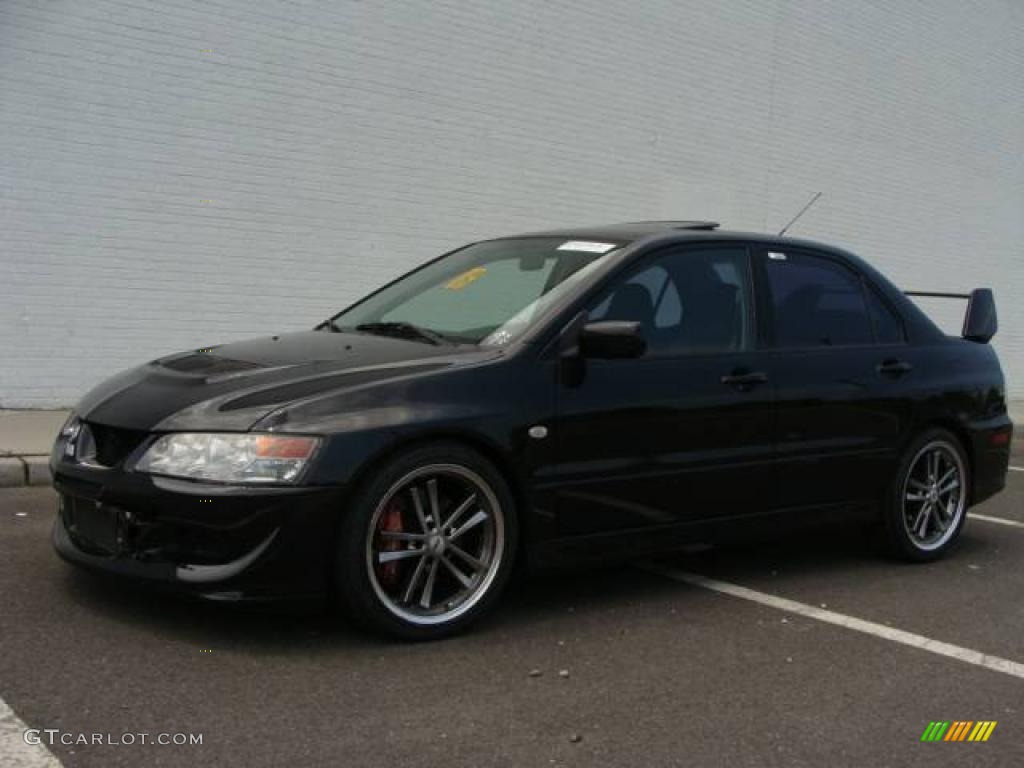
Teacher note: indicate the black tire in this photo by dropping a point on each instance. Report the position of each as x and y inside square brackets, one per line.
[901, 514]
[360, 583]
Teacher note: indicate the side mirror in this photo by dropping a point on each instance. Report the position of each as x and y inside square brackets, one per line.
[612, 340]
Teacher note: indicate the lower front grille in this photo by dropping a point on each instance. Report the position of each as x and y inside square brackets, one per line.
[92, 527]
[109, 530]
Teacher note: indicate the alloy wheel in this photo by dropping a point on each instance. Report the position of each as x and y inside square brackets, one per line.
[933, 497]
[435, 543]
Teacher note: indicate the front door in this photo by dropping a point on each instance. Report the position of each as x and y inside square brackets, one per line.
[683, 433]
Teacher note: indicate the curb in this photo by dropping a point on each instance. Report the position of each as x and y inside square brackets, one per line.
[19, 471]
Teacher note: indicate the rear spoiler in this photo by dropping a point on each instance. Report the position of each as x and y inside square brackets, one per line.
[980, 323]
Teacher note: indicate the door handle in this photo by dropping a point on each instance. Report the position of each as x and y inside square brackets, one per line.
[894, 367]
[744, 379]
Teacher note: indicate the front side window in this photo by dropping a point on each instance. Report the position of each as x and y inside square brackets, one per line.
[488, 293]
[816, 302]
[689, 301]
[888, 326]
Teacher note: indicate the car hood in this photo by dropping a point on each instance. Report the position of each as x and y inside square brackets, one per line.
[233, 386]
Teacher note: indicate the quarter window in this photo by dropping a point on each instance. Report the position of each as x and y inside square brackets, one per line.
[688, 301]
[816, 302]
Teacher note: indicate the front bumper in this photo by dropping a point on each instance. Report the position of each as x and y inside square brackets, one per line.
[222, 542]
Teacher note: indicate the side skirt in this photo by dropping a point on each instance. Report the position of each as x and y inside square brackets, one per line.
[630, 544]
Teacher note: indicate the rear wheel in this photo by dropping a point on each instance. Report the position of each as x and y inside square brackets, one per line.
[428, 543]
[928, 504]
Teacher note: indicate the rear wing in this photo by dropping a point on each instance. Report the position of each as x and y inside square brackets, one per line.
[980, 323]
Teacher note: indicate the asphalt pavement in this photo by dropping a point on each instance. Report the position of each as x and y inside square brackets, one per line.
[617, 666]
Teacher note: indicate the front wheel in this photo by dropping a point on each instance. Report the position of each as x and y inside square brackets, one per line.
[928, 504]
[428, 543]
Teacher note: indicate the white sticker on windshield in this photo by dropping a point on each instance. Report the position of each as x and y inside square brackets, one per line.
[584, 245]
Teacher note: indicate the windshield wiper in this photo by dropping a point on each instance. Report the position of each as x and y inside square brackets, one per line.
[401, 330]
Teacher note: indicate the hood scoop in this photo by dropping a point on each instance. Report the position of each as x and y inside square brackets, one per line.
[205, 364]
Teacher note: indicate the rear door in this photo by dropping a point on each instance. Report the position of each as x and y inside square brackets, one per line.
[841, 373]
[683, 433]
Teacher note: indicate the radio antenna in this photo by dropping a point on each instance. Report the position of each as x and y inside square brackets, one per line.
[792, 221]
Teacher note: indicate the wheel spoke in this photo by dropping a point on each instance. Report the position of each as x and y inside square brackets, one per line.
[923, 529]
[950, 511]
[402, 536]
[952, 486]
[475, 563]
[474, 521]
[435, 507]
[921, 521]
[410, 588]
[464, 580]
[459, 511]
[917, 484]
[417, 502]
[917, 496]
[398, 554]
[428, 588]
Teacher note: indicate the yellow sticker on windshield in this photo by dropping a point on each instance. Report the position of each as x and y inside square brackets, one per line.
[459, 282]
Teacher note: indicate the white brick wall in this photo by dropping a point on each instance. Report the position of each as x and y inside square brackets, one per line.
[340, 143]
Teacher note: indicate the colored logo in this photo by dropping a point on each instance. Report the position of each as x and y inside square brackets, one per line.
[958, 730]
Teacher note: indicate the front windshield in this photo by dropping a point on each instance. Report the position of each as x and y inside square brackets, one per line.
[489, 293]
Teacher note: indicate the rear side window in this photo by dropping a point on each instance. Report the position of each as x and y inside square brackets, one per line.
[816, 302]
[888, 326]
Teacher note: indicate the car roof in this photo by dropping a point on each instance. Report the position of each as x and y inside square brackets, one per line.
[666, 231]
[626, 231]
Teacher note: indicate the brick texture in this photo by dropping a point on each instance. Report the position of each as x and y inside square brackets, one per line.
[178, 174]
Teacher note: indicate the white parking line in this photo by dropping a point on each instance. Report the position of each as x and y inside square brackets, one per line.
[14, 750]
[1000, 520]
[994, 663]
[1017, 469]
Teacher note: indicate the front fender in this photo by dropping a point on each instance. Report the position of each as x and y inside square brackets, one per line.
[492, 406]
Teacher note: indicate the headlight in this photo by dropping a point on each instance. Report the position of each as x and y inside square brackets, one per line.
[69, 434]
[71, 426]
[229, 458]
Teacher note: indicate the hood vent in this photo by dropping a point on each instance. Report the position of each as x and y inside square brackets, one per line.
[206, 365]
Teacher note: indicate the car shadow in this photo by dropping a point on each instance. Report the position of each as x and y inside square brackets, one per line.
[532, 604]
[316, 627]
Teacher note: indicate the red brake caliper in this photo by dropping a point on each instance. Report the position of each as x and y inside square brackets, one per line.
[391, 520]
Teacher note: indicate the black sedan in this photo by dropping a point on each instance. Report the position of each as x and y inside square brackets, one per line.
[547, 398]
